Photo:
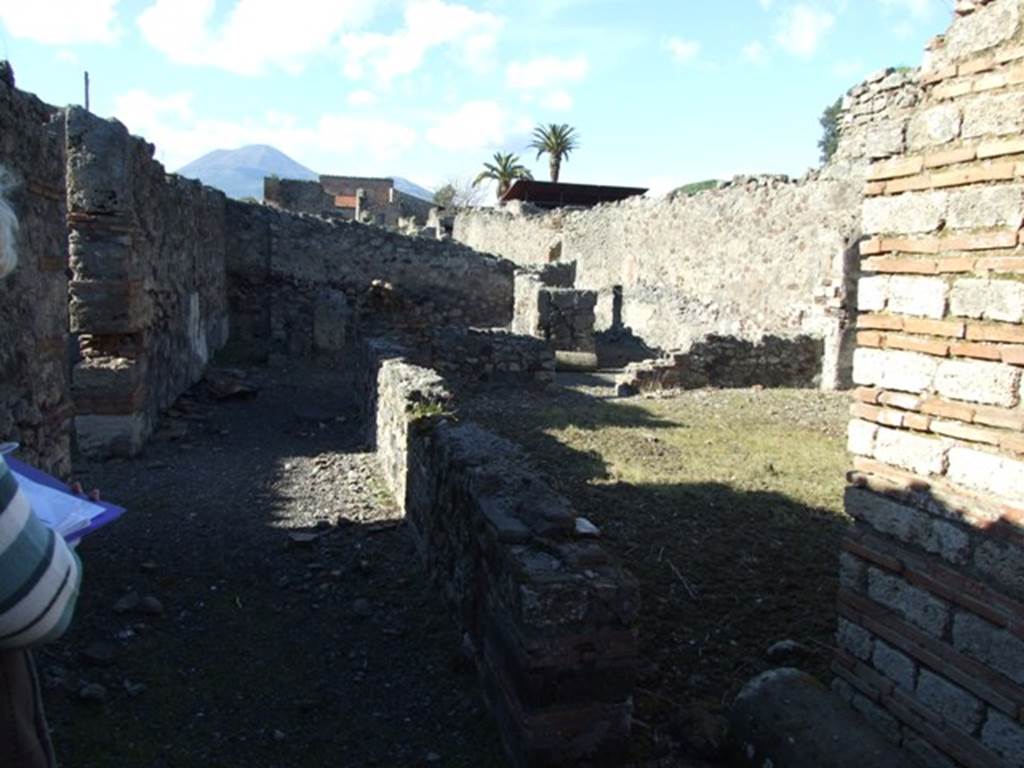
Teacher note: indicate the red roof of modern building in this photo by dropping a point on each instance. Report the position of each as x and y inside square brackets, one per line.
[548, 194]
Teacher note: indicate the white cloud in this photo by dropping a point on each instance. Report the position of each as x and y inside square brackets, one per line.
[256, 35]
[850, 68]
[338, 143]
[559, 101]
[754, 52]
[67, 56]
[361, 98]
[61, 22]
[546, 72]
[427, 24]
[765, 4]
[683, 51]
[802, 29]
[476, 125]
[919, 9]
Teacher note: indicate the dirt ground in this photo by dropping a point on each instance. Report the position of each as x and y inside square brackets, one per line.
[260, 606]
[726, 505]
[295, 626]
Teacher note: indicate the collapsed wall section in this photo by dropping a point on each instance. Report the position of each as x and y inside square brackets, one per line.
[931, 634]
[148, 290]
[549, 619]
[302, 284]
[35, 404]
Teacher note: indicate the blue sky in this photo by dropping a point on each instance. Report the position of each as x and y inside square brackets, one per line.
[662, 92]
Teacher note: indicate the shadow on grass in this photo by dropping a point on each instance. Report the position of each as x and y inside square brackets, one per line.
[725, 572]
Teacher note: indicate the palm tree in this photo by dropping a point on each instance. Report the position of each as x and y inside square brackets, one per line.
[557, 141]
[505, 169]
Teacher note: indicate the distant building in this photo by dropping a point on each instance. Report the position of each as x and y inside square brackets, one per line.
[355, 198]
[548, 194]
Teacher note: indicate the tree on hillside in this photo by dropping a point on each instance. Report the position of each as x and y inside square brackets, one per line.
[555, 141]
[505, 169]
[829, 142]
[458, 193]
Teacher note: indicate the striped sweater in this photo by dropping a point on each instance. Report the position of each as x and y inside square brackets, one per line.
[39, 573]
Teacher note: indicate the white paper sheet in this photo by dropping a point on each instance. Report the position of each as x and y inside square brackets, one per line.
[62, 512]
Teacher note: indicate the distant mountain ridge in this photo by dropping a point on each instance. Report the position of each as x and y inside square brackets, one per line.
[240, 172]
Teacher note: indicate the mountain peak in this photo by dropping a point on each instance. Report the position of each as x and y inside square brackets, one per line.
[240, 172]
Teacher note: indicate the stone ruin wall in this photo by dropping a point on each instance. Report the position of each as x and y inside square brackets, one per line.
[760, 256]
[931, 634]
[148, 289]
[302, 284]
[548, 619]
[35, 403]
[163, 270]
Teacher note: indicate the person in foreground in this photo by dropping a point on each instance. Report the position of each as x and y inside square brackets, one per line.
[39, 580]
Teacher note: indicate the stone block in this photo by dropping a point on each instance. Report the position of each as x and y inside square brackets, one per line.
[988, 26]
[912, 213]
[915, 605]
[955, 705]
[992, 206]
[937, 125]
[917, 453]
[994, 647]
[855, 640]
[852, 572]
[909, 525]
[987, 472]
[895, 665]
[861, 437]
[903, 371]
[1001, 300]
[872, 293]
[919, 296]
[111, 435]
[1004, 737]
[1002, 562]
[109, 307]
[978, 382]
[994, 115]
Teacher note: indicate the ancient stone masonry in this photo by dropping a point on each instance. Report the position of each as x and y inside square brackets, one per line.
[548, 307]
[931, 634]
[548, 619]
[35, 404]
[875, 119]
[716, 362]
[301, 284]
[761, 257]
[148, 290]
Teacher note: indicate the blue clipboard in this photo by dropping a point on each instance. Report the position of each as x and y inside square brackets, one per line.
[109, 514]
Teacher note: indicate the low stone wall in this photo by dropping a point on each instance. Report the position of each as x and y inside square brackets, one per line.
[931, 635]
[550, 621]
[722, 361]
[35, 405]
[299, 284]
[474, 355]
[148, 289]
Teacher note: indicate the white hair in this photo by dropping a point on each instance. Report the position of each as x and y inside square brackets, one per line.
[8, 226]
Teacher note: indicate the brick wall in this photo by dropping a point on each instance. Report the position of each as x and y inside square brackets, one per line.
[931, 635]
[148, 290]
[548, 618]
[35, 405]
